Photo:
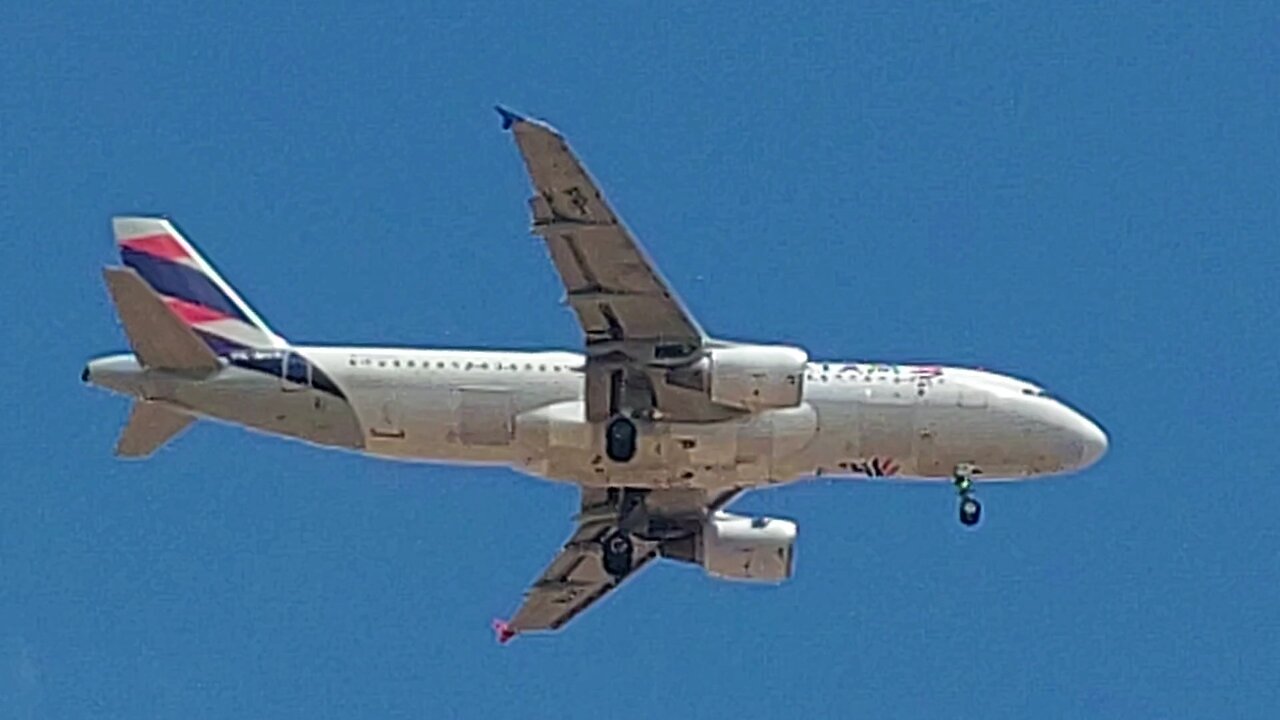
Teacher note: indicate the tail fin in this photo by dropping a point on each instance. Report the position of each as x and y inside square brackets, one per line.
[150, 426]
[189, 285]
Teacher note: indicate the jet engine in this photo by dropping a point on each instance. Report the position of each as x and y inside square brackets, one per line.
[755, 377]
[735, 547]
[748, 377]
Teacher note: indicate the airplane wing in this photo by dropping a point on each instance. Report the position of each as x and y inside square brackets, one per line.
[576, 579]
[612, 285]
[629, 315]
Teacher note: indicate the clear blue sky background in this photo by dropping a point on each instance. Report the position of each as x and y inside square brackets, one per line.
[1087, 197]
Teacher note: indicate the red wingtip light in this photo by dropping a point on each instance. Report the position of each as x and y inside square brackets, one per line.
[503, 631]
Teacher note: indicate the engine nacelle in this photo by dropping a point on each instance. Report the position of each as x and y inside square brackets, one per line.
[757, 549]
[757, 377]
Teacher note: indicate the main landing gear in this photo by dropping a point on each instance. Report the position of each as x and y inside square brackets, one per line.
[970, 508]
[618, 553]
[620, 439]
[616, 546]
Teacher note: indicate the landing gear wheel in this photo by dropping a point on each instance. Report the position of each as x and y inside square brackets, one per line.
[620, 440]
[618, 550]
[970, 508]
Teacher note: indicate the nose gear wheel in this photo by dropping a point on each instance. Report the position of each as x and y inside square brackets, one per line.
[970, 508]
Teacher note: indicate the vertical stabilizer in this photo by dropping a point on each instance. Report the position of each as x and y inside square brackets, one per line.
[190, 286]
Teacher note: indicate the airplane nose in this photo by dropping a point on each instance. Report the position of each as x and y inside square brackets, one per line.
[1093, 441]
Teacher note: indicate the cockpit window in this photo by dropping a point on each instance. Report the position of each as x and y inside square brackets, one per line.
[1036, 392]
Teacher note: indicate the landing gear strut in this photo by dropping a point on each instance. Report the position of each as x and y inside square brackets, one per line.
[970, 508]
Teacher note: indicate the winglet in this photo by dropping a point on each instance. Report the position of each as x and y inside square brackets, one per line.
[509, 116]
[504, 632]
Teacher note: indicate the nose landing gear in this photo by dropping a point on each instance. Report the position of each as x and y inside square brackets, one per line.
[970, 508]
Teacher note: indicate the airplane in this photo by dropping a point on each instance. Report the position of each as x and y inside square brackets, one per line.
[659, 424]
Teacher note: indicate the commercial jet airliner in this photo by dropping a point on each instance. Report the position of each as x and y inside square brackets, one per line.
[659, 424]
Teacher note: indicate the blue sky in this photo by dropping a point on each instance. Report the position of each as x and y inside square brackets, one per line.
[1084, 196]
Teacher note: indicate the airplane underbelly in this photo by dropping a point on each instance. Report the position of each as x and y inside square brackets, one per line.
[887, 430]
[960, 434]
[260, 402]
[930, 441]
[440, 423]
[560, 443]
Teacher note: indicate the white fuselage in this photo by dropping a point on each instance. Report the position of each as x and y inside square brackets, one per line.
[526, 410]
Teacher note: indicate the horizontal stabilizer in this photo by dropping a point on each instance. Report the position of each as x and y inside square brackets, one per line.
[150, 426]
[159, 337]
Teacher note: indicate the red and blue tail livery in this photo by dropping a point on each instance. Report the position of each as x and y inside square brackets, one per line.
[191, 288]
